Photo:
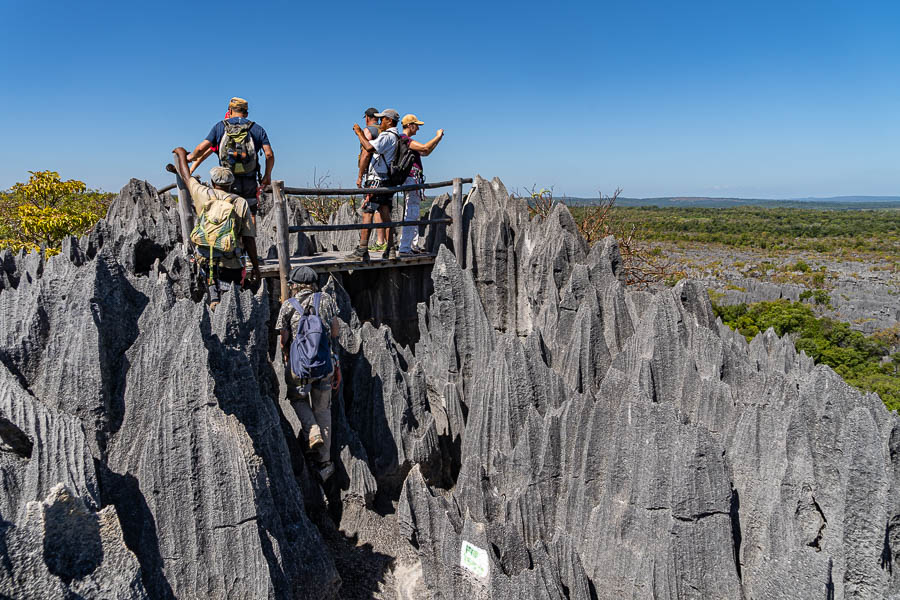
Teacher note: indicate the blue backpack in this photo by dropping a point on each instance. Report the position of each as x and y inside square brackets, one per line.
[310, 349]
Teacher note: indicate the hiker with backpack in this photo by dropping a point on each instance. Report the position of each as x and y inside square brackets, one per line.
[224, 231]
[239, 141]
[308, 327]
[409, 235]
[383, 147]
[370, 130]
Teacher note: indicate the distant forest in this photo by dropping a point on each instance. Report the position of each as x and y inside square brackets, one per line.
[818, 230]
[835, 203]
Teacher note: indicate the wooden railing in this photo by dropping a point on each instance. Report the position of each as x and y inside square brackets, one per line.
[283, 229]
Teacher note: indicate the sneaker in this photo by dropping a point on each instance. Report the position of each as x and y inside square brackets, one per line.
[418, 250]
[406, 254]
[212, 306]
[390, 253]
[326, 470]
[315, 440]
[378, 247]
[361, 253]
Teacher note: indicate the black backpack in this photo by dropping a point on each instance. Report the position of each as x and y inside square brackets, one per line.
[402, 164]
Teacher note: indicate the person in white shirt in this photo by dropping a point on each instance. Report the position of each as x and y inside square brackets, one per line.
[384, 147]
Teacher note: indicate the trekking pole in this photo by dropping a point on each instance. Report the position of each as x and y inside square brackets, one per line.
[185, 212]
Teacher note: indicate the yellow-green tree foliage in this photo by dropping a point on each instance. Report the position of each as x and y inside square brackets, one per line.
[41, 213]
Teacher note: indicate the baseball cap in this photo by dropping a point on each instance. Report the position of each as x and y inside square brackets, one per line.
[303, 275]
[409, 119]
[221, 176]
[371, 112]
[389, 113]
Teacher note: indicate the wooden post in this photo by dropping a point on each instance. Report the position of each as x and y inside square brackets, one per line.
[281, 236]
[185, 214]
[458, 233]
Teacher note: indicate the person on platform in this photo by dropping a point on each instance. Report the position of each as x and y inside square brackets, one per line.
[383, 147]
[238, 142]
[409, 235]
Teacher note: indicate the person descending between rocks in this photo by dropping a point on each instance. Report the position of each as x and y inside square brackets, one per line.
[309, 328]
[224, 231]
[383, 148]
[239, 141]
[365, 158]
[409, 235]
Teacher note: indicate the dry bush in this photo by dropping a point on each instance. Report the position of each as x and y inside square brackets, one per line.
[643, 264]
[321, 208]
[540, 202]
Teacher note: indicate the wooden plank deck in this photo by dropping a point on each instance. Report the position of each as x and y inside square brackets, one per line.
[330, 262]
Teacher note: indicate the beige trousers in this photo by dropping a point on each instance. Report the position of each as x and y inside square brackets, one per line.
[312, 403]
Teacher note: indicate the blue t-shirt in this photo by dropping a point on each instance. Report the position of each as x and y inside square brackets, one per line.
[257, 133]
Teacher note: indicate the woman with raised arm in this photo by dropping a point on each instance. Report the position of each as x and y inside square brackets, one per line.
[409, 237]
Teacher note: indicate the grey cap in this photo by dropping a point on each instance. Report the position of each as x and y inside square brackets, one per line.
[303, 275]
[221, 176]
[390, 113]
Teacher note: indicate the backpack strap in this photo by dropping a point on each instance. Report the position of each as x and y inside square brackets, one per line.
[296, 304]
[381, 156]
[317, 297]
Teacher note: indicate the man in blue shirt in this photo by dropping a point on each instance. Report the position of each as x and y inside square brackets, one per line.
[239, 151]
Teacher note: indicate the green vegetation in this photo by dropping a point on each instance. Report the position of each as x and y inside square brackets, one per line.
[816, 230]
[818, 296]
[41, 213]
[854, 356]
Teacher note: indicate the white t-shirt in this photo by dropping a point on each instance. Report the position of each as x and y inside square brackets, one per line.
[385, 147]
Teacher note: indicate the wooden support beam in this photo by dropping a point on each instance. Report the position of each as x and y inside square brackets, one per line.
[281, 236]
[458, 234]
[185, 214]
[358, 226]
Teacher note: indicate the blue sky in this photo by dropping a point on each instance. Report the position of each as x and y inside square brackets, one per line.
[780, 99]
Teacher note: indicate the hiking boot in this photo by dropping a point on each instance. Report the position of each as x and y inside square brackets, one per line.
[326, 470]
[361, 253]
[390, 253]
[406, 254]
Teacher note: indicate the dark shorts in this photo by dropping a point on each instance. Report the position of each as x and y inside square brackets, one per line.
[378, 200]
[223, 279]
[245, 187]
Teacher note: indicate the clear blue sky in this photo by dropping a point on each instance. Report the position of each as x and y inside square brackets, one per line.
[749, 99]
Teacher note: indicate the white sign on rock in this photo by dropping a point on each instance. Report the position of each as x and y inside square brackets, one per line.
[474, 559]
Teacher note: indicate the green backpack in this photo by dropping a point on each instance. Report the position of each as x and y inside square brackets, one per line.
[215, 227]
[236, 149]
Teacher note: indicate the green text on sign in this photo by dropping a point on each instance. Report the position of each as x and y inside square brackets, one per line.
[474, 559]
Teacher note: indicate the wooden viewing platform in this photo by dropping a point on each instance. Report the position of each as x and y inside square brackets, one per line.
[336, 261]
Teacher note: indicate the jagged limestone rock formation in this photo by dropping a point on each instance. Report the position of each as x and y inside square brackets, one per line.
[647, 450]
[62, 549]
[177, 409]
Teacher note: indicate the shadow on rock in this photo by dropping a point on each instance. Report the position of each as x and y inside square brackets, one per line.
[138, 527]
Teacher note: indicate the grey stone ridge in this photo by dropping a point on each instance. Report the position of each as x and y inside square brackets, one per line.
[582, 439]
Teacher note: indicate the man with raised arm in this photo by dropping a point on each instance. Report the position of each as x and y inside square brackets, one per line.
[224, 230]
